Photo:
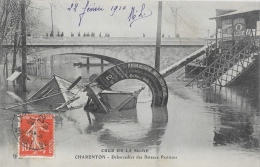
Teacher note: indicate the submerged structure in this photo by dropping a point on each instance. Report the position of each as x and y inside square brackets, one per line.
[59, 93]
[113, 101]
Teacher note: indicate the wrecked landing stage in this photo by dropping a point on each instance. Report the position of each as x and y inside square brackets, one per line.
[106, 102]
[58, 92]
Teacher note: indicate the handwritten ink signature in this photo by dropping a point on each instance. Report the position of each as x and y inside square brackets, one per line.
[141, 15]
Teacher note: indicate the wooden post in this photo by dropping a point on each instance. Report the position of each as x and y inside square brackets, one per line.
[102, 65]
[233, 33]
[87, 65]
[6, 65]
[158, 38]
[24, 47]
[87, 60]
[216, 41]
[52, 65]
[258, 63]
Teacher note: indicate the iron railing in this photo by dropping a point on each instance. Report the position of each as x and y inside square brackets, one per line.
[222, 64]
[237, 64]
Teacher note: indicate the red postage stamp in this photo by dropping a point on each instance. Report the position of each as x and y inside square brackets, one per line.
[36, 137]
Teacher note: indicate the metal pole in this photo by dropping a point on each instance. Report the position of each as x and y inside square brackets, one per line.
[176, 22]
[52, 21]
[24, 47]
[158, 38]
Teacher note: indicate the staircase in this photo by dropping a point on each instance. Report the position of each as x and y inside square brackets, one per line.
[229, 66]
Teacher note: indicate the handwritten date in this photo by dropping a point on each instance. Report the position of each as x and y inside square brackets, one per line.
[88, 8]
[134, 15]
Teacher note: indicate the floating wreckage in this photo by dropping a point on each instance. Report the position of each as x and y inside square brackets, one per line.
[108, 100]
[59, 93]
[105, 102]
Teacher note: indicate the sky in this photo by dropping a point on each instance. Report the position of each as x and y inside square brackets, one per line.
[192, 20]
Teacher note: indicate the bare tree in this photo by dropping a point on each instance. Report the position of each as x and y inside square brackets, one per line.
[10, 30]
[6, 24]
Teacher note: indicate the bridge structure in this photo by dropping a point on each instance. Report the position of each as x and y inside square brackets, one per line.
[114, 50]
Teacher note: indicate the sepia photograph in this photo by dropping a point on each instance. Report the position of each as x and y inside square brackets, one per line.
[129, 83]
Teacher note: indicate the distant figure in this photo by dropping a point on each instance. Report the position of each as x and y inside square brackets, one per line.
[62, 34]
[51, 34]
[58, 34]
[143, 35]
[92, 34]
[79, 34]
[47, 34]
[71, 34]
[88, 34]
[100, 34]
[163, 35]
[177, 35]
[84, 35]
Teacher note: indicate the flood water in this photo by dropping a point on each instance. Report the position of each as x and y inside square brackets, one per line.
[199, 127]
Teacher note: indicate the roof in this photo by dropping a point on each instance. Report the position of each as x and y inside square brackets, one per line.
[235, 13]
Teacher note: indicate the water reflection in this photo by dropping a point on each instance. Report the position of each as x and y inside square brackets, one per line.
[64, 65]
[235, 122]
[236, 128]
[129, 128]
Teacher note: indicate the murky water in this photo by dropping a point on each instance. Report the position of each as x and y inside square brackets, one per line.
[201, 127]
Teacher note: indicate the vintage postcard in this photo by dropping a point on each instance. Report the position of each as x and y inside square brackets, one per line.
[129, 83]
